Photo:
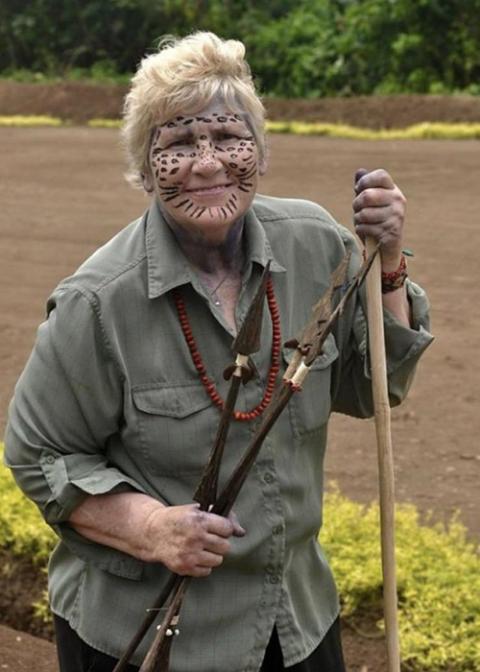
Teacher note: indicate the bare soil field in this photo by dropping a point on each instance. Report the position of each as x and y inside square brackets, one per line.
[63, 194]
[79, 102]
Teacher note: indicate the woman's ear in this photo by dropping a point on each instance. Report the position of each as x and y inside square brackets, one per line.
[263, 161]
[147, 182]
[262, 166]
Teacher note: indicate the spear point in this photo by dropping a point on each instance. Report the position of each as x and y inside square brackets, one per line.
[322, 309]
[248, 337]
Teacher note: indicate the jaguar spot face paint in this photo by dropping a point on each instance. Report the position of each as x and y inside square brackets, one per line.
[204, 170]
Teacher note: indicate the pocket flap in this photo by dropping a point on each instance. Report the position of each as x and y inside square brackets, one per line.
[174, 401]
[329, 354]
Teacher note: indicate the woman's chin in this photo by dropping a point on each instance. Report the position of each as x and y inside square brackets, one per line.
[208, 229]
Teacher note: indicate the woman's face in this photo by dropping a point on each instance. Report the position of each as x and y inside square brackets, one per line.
[204, 170]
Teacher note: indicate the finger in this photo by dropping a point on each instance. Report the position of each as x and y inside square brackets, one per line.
[216, 544]
[373, 198]
[378, 232]
[374, 178]
[223, 527]
[359, 173]
[200, 572]
[209, 560]
[238, 530]
[372, 215]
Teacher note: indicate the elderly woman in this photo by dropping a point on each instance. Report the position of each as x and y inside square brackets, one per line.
[114, 416]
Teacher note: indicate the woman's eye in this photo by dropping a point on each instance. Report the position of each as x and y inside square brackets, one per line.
[226, 136]
[179, 141]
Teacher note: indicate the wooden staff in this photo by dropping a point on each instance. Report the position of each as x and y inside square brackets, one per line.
[385, 456]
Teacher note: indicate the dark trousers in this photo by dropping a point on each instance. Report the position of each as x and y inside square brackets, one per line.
[74, 655]
[327, 657]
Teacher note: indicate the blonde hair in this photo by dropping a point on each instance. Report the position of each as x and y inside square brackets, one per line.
[183, 77]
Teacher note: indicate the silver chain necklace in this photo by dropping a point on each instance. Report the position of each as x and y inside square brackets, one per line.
[213, 292]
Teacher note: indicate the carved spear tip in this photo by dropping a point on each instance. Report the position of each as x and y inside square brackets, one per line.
[339, 275]
[248, 338]
[322, 309]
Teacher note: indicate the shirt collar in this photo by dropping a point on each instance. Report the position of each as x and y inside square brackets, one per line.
[168, 266]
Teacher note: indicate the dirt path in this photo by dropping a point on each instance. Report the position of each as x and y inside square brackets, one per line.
[62, 194]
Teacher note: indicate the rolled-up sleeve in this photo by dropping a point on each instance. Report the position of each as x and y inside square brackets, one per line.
[66, 406]
[404, 346]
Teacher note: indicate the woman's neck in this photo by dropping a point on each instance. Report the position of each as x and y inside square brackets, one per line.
[209, 256]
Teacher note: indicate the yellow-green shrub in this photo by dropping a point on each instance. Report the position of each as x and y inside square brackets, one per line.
[438, 576]
[422, 131]
[22, 530]
[105, 123]
[30, 120]
[438, 573]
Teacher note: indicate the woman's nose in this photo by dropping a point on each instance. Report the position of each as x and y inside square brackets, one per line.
[206, 161]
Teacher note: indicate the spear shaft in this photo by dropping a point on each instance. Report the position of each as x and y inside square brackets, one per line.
[157, 660]
[246, 343]
[158, 655]
[206, 491]
[290, 385]
[171, 585]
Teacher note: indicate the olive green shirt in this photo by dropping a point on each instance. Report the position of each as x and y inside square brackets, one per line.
[110, 400]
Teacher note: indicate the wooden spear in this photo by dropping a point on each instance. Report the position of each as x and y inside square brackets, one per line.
[246, 343]
[309, 346]
[385, 456]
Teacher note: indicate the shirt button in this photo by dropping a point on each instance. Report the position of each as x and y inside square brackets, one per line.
[274, 579]
[50, 459]
[268, 478]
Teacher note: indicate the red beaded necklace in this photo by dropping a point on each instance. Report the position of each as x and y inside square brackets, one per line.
[208, 384]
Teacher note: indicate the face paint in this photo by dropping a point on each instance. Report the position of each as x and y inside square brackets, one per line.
[204, 171]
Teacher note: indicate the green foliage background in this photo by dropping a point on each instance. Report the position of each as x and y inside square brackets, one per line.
[296, 48]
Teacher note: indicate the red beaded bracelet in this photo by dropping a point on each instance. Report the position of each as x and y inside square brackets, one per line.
[395, 279]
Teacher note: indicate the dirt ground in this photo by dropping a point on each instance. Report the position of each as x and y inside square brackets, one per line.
[79, 102]
[63, 194]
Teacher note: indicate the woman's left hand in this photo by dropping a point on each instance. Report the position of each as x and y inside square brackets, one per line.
[379, 211]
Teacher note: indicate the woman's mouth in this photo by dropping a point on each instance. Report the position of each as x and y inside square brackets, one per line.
[214, 190]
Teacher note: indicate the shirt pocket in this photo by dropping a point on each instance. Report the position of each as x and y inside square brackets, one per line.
[310, 407]
[176, 425]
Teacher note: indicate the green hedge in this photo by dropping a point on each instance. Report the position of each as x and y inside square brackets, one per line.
[296, 48]
[438, 573]
[423, 131]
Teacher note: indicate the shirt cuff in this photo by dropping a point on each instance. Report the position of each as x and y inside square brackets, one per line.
[403, 343]
[71, 479]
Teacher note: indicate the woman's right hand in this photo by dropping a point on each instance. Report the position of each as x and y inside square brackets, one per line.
[187, 540]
